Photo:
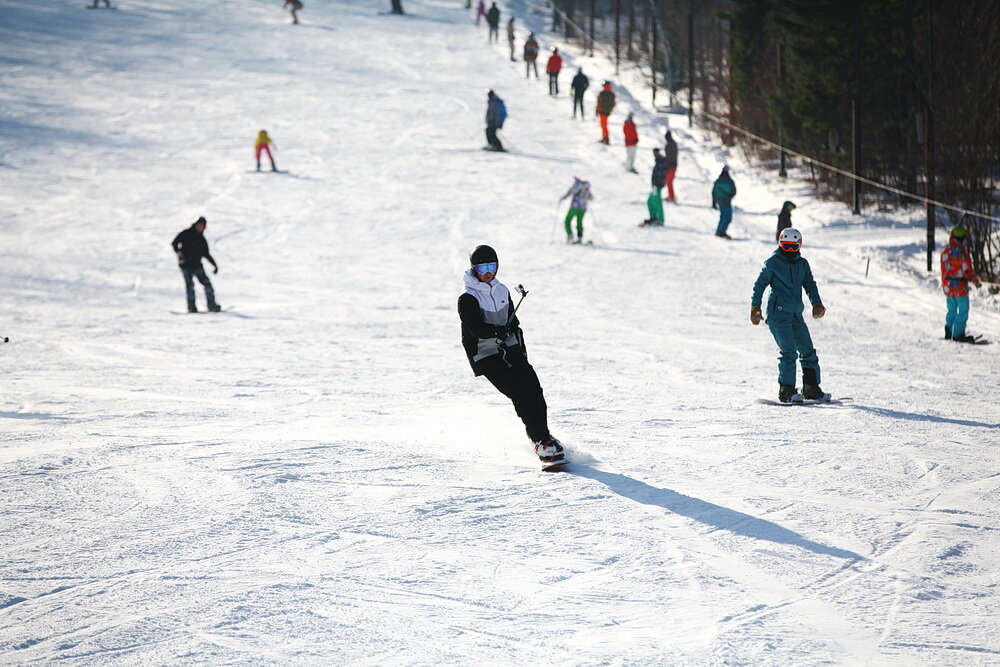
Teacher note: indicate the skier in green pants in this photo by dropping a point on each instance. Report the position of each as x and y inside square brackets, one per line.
[653, 201]
[580, 192]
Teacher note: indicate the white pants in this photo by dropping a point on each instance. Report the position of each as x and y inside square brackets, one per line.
[630, 157]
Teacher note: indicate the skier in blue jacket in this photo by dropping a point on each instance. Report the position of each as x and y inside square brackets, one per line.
[787, 273]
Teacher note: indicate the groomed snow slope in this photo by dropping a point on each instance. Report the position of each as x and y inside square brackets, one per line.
[316, 476]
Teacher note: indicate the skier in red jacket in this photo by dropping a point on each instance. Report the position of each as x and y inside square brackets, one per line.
[631, 144]
[552, 68]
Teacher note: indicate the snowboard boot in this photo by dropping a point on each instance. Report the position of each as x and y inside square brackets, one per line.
[214, 308]
[813, 392]
[788, 394]
[192, 309]
[549, 449]
[964, 338]
[947, 333]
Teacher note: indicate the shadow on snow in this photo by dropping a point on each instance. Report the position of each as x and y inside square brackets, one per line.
[914, 416]
[710, 514]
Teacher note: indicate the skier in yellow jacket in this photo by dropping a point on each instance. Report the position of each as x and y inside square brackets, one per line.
[263, 144]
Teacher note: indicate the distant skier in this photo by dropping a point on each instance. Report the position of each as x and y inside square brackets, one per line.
[107, 4]
[480, 11]
[631, 144]
[956, 274]
[653, 203]
[787, 273]
[784, 218]
[530, 56]
[670, 157]
[493, 20]
[510, 38]
[579, 85]
[723, 192]
[293, 6]
[190, 246]
[496, 114]
[494, 343]
[552, 68]
[605, 105]
[580, 195]
[263, 144]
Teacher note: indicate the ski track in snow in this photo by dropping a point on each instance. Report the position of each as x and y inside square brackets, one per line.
[317, 477]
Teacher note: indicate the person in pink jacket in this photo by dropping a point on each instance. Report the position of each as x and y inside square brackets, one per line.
[956, 274]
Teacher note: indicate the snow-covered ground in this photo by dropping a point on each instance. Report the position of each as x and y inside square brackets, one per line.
[317, 477]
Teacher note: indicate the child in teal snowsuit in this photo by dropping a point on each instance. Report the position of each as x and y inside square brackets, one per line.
[787, 273]
[580, 193]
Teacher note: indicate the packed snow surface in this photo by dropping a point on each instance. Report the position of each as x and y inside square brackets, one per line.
[316, 476]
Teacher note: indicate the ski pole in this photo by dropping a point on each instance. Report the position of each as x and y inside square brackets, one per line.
[523, 292]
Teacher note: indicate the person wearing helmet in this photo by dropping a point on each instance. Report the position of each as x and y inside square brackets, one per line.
[956, 273]
[494, 343]
[605, 105]
[263, 144]
[784, 218]
[723, 191]
[552, 68]
[191, 246]
[787, 273]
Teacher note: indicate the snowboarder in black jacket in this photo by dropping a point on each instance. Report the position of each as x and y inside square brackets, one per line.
[579, 86]
[494, 344]
[190, 246]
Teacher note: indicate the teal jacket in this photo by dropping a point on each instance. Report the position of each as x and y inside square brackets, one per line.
[787, 274]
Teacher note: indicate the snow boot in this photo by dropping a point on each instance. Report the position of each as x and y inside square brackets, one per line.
[549, 449]
[788, 394]
[964, 338]
[947, 333]
[813, 392]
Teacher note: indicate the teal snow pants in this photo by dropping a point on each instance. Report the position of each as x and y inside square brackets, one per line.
[792, 336]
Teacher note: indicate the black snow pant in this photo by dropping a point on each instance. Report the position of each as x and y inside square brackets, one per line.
[553, 84]
[491, 137]
[494, 33]
[190, 273]
[578, 102]
[516, 379]
[529, 67]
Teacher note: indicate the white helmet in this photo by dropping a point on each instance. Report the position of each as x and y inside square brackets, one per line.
[790, 239]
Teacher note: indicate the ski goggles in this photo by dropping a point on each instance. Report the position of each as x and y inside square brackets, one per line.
[488, 267]
[789, 246]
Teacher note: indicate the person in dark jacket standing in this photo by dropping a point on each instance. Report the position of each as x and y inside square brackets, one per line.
[579, 85]
[493, 20]
[190, 246]
[723, 191]
[784, 218]
[653, 203]
[494, 344]
[670, 158]
[605, 105]
[530, 56]
[787, 273]
[495, 116]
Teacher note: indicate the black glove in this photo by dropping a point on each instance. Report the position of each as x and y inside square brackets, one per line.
[215, 268]
[503, 332]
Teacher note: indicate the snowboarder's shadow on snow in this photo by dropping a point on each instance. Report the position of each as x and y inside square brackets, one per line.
[710, 514]
[917, 417]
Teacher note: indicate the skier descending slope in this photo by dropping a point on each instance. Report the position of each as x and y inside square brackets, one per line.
[494, 343]
[787, 273]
